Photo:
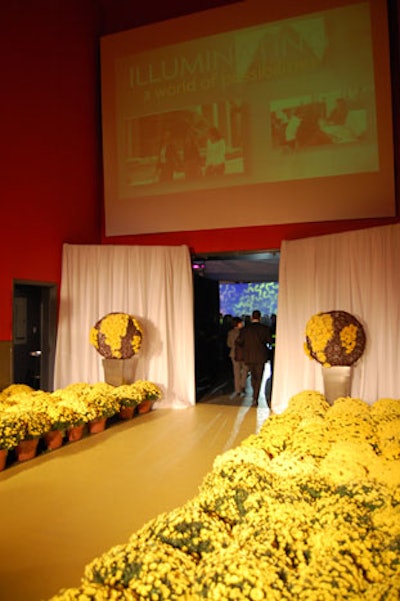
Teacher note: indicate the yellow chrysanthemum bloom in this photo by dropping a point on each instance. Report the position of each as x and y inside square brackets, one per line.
[94, 592]
[137, 339]
[15, 389]
[348, 338]
[319, 331]
[114, 327]
[93, 337]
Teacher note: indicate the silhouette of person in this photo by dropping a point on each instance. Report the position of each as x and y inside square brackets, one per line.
[339, 113]
[235, 353]
[215, 153]
[168, 158]
[253, 339]
[225, 326]
[292, 126]
[191, 156]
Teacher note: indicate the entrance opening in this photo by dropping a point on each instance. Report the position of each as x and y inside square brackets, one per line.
[228, 285]
[34, 333]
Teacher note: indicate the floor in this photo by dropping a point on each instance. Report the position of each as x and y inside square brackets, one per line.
[66, 507]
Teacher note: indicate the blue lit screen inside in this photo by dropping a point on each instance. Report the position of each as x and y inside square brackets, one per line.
[243, 298]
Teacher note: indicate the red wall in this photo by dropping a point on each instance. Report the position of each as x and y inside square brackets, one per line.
[246, 238]
[50, 168]
[50, 185]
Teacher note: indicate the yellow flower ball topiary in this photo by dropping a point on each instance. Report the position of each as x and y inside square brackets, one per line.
[334, 338]
[117, 336]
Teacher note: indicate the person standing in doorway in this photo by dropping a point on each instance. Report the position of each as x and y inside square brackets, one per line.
[253, 339]
[236, 355]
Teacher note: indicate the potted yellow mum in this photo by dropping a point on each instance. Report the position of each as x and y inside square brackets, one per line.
[11, 433]
[30, 412]
[101, 405]
[74, 410]
[128, 398]
[138, 396]
[149, 393]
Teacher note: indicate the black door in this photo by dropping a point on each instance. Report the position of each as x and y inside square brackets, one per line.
[34, 333]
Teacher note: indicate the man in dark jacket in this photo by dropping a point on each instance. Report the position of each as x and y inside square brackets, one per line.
[253, 339]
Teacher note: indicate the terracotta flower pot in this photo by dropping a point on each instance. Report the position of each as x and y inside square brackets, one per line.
[75, 433]
[26, 449]
[145, 406]
[126, 412]
[53, 439]
[97, 425]
[3, 458]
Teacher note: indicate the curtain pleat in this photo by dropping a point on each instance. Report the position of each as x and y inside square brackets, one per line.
[152, 283]
[358, 272]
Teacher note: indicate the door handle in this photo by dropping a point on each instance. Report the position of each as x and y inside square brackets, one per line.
[35, 353]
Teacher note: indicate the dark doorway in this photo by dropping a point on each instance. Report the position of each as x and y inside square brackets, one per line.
[207, 332]
[213, 366]
[34, 333]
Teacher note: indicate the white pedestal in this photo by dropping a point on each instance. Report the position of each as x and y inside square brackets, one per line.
[337, 382]
[119, 371]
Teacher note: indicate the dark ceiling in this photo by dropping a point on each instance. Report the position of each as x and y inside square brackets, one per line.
[239, 267]
[118, 15]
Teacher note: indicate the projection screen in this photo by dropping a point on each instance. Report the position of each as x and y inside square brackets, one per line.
[248, 115]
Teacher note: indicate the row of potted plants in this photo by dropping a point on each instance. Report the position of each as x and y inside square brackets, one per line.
[307, 509]
[29, 415]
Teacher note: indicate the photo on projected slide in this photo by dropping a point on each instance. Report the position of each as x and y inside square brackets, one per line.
[326, 120]
[279, 101]
[190, 145]
[330, 133]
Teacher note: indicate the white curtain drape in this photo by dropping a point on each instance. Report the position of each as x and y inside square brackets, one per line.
[152, 283]
[358, 272]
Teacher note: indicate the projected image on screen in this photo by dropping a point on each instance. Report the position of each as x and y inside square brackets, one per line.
[242, 298]
[286, 100]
